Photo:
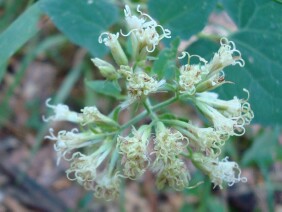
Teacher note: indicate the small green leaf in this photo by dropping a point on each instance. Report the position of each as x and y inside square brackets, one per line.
[17, 34]
[183, 17]
[165, 66]
[82, 22]
[108, 88]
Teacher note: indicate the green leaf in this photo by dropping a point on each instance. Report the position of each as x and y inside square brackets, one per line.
[82, 22]
[108, 88]
[259, 38]
[263, 150]
[17, 34]
[183, 17]
[165, 66]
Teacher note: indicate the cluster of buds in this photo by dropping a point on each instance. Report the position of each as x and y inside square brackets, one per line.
[102, 153]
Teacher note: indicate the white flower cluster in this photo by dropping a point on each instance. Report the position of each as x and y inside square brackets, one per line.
[101, 153]
[86, 168]
[144, 37]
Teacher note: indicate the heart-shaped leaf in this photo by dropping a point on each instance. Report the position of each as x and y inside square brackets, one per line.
[82, 21]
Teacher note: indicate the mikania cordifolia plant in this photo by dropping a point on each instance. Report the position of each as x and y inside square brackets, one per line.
[110, 154]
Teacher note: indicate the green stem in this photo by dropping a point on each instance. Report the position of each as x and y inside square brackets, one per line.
[145, 112]
[175, 122]
[113, 161]
[148, 107]
[181, 127]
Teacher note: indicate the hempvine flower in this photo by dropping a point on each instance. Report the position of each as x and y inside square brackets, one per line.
[88, 115]
[107, 150]
[107, 186]
[135, 22]
[140, 84]
[66, 141]
[208, 139]
[111, 40]
[143, 30]
[237, 110]
[174, 175]
[93, 115]
[106, 69]
[230, 126]
[84, 168]
[168, 147]
[191, 75]
[134, 150]
[61, 113]
[219, 171]
[226, 55]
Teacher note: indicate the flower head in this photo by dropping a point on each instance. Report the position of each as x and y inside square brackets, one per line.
[107, 70]
[66, 141]
[225, 115]
[168, 147]
[208, 139]
[107, 186]
[84, 168]
[174, 175]
[61, 113]
[219, 171]
[225, 125]
[134, 151]
[111, 40]
[93, 115]
[140, 84]
[144, 28]
[191, 75]
[226, 55]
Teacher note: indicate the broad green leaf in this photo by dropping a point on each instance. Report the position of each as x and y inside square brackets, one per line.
[165, 66]
[259, 39]
[82, 21]
[263, 150]
[17, 34]
[183, 17]
[108, 88]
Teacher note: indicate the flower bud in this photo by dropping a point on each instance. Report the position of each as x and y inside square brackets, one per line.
[93, 115]
[111, 40]
[106, 69]
[62, 113]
